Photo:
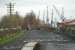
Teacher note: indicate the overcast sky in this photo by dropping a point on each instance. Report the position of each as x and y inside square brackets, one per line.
[24, 6]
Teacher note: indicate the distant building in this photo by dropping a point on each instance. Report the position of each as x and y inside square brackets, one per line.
[67, 23]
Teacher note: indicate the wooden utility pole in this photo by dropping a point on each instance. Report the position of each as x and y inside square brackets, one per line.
[10, 7]
[62, 15]
[52, 18]
[44, 16]
[39, 14]
[47, 16]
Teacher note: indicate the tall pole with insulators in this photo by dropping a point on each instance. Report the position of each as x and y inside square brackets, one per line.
[52, 18]
[10, 7]
[47, 16]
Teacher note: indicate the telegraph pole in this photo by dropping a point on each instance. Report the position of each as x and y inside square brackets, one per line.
[47, 16]
[62, 15]
[43, 16]
[10, 7]
[38, 14]
[38, 17]
[52, 18]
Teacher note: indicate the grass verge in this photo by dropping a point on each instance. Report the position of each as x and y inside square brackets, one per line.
[9, 38]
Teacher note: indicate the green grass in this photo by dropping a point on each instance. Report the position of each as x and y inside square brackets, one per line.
[9, 38]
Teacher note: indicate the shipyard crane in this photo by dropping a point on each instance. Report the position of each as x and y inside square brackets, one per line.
[59, 14]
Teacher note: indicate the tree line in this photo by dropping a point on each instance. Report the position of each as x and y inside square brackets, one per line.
[17, 21]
